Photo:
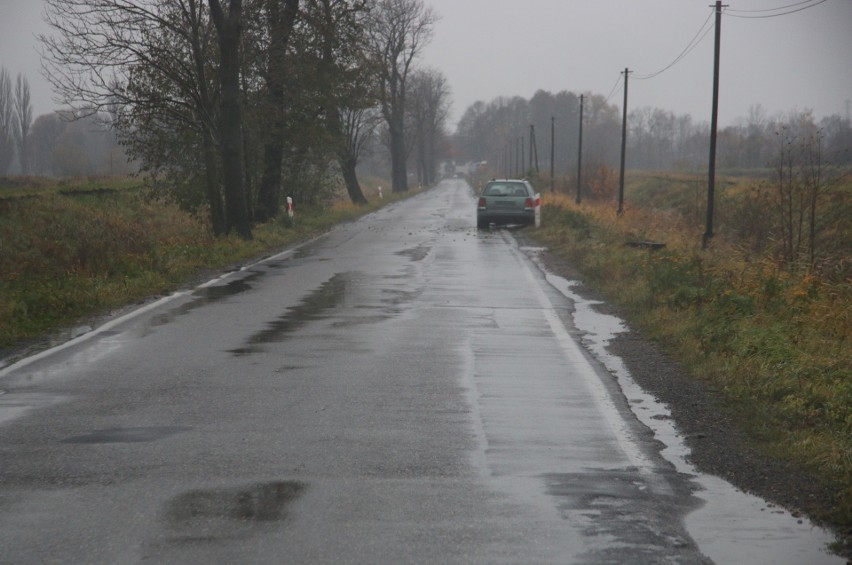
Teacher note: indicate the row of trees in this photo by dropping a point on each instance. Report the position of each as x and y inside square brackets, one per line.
[485, 130]
[656, 139]
[659, 139]
[53, 144]
[227, 102]
[798, 211]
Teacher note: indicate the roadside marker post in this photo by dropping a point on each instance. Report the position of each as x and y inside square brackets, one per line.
[538, 210]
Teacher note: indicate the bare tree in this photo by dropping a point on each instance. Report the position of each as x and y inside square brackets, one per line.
[46, 131]
[347, 84]
[429, 107]
[7, 125]
[145, 64]
[398, 32]
[358, 127]
[23, 119]
[803, 180]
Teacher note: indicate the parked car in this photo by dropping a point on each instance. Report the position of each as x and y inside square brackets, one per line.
[507, 201]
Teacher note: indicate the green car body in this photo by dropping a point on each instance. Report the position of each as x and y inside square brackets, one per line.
[507, 201]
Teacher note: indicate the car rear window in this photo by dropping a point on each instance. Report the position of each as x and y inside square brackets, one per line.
[505, 189]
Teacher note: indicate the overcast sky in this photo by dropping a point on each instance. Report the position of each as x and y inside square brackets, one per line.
[490, 48]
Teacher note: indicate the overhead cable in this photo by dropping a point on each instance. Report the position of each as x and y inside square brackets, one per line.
[761, 14]
[699, 35]
[775, 9]
[614, 88]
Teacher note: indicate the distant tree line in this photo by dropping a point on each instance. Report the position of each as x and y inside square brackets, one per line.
[656, 139]
[52, 144]
[493, 131]
[660, 140]
[229, 105]
[797, 212]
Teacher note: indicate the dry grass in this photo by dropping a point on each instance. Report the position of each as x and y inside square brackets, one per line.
[71, 250]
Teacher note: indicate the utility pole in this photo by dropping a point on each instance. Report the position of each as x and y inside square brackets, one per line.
[711, 180]
[533, 149]
[532, 142]
[521, 157]
[623, 146]
[553, 152]
[580, 151]
[507, 171]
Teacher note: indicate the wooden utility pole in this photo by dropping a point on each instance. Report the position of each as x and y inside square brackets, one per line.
[552, 153]
[580, 151]
[533, 149]
[711, 180]
[519, 157]
[623, 146]
[507, 172]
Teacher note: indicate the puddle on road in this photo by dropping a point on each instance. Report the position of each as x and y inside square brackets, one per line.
[416, 253]
[202, 509]
[731, 526]
[205, 295]
[636, 523]
[313, 307]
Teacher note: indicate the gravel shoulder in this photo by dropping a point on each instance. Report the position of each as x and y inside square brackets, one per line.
[718, 446]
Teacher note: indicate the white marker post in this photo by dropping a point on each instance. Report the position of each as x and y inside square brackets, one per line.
[380, 193]
[538, 210]
[290, 211]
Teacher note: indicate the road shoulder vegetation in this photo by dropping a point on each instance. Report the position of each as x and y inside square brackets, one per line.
[752, 358]
[74, 252]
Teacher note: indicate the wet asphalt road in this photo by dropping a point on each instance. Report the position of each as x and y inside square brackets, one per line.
[404, 389]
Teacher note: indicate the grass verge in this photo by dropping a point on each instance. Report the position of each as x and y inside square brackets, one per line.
[775, 343]
[72, 250]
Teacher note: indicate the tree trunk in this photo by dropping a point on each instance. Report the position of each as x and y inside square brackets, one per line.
[269, 192]
[214, 196]
[229, 29]
[280, 26]
[399, 168]
[353, 187]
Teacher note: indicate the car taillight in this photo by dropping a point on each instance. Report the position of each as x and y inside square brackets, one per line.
[482, 202]
[528, 203]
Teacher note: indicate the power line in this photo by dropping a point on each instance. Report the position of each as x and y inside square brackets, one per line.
[697, 38]
[705, 29]
[799, 7]
[772, 9]
[614, 88]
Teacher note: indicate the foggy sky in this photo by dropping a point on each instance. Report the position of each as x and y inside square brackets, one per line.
[490, 48]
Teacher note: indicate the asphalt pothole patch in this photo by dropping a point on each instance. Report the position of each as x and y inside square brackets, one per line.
[264, 502]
